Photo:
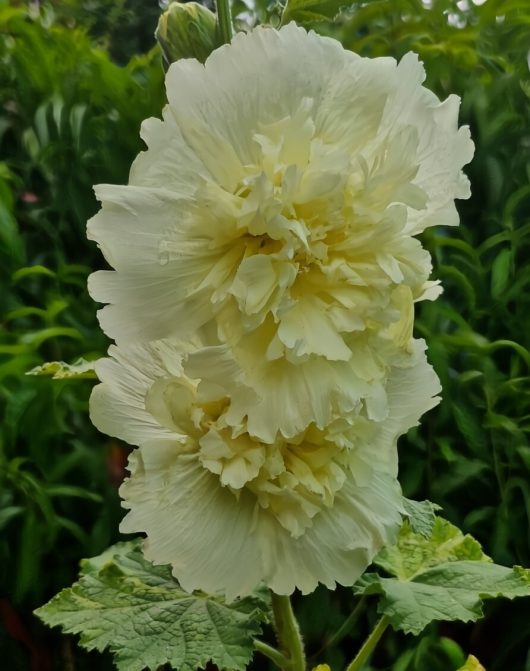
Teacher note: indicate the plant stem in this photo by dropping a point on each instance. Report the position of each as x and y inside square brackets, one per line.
[281, 661]
[344, 628]
[288, 632]
[286, 14]
[224, 21]
[368, 646]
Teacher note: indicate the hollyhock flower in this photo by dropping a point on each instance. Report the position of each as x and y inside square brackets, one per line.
[285, 182]
[229, 507]
[277, 205]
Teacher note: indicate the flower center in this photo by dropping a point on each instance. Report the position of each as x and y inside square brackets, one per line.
[292, 479]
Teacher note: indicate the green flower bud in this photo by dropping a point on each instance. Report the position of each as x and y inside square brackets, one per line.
[187, 30]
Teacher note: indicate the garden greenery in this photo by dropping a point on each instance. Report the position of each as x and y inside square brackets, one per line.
[70, 118]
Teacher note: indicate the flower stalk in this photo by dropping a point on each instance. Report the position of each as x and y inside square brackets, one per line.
[345, 628]
[277, 657]
[288, 632]
[224, 21]
[369, 645]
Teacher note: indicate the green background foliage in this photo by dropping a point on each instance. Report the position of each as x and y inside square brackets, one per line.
[76, 80]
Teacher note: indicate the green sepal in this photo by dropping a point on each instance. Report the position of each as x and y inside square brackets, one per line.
[187, 30]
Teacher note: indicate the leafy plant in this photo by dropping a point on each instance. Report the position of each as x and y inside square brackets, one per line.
[69, 117]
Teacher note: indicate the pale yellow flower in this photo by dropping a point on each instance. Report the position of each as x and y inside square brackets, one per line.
[276, 206]
[285, 182]
[228, 509]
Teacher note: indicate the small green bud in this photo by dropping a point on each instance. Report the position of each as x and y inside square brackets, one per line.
[187, 30]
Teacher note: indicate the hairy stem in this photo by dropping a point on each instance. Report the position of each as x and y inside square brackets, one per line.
[288, 632]
[281, 661]
[368, 646]
[344, 629]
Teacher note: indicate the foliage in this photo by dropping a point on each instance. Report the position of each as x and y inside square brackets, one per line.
[311, 11]
[122, 27]
[443, 577]
[471, 455]
[59, 370]
[69, 117]
[140, 612]
[421, 516]
[472, 664]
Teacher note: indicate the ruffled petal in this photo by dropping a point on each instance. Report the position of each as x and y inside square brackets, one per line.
[264, 196]
[228, 509]
[217, 543]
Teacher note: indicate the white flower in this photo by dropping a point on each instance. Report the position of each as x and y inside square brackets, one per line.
[276, 205]
[262, 299]
[228, 509]
[284, 184]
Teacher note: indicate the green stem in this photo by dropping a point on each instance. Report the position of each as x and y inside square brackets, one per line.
[368, 646]
[281, 661]
[286, 14]
[344, 629]
[288, 632]
[224, 21]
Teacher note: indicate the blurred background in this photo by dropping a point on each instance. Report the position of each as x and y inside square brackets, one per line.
[76, 79]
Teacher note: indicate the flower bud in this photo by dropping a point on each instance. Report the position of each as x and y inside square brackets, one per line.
[186, 30]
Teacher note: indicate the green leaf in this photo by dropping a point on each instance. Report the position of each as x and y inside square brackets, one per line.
[59, 370]
[470, 427]
[8, 513]
[312, 11]
[414, 553]
[30, 271]
[472, 664]
[500, 273]
[139, 611]
[443, 577]
[421, 516]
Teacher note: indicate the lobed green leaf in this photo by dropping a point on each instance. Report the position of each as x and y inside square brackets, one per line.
[421, 516]
[443, 577]
[140, 612]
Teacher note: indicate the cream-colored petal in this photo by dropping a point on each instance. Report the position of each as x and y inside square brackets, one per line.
[239, 85]
[411, 392]
[191, 522]
[117, 404]
[306, 329]
[216, 542]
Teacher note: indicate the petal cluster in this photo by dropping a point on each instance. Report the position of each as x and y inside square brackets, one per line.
[227, 507]
[265, 270]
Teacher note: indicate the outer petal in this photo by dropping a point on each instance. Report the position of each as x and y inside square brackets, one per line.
[217, 543]
[240, 84]
[118, 404]
[411, 392]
